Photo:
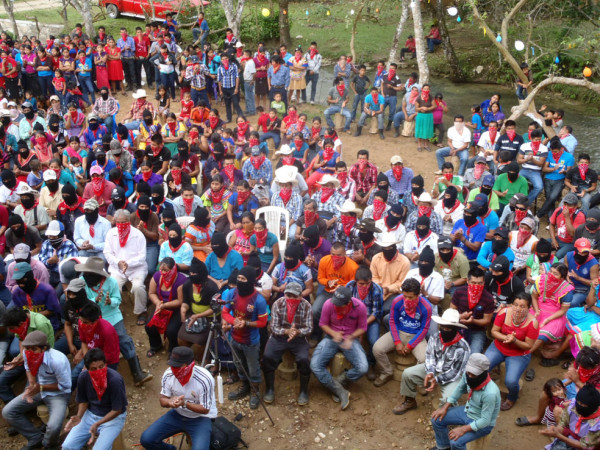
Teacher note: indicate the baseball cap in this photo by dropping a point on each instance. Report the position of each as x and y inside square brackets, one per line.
[21, 269]
[477, 364]
[529, 222]
[571, 199]
[54, 228]
[76, 285]
[181, 356]
[583, 245]
[255, 151]
[96, 170]
[117, 193]
[500, 264]
[293, 288]
[341, 296]
[519, 198]
[502, 232]
[480, 200]
[21, 251]
[488, 180]
[396, 159]
[445, 242]
[480, 160]
[27, 105]
[49, 175]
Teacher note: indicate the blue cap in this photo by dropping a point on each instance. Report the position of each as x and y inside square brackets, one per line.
[480, 200]
[20, 270]
[488, 180]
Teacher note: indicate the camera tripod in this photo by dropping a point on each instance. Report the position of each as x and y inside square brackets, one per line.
[214, 334]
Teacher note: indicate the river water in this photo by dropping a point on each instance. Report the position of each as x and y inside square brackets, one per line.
[460, 98]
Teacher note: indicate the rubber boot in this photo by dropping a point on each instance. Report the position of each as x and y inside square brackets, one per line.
[269, 387]
[254, 394]
[139, 376]
[303, 397]
[358, 131]
[242, 391]
[381, 136]
[396, 131]
[389, 126]
[342, 394]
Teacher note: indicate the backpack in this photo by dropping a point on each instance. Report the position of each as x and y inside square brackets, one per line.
[225, 435]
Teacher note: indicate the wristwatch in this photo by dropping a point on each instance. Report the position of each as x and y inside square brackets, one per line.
[41, 388]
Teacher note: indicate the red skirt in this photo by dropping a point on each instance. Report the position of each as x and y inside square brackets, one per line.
[102, 77]
[115, 70]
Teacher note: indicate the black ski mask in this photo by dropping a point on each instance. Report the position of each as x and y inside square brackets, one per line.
[426, 262]
[27, 282]
[246, 288]
[218, 244]
[417, 185]
[474, 382]
[311, 236]
[422, 227]
[450, 196]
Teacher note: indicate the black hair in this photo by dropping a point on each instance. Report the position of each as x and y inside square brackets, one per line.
[93, 355]
[475, 272]
[15, 317]
[411, 285]
[363, 273]
[523, 296]
[448, 165]
[90, 311]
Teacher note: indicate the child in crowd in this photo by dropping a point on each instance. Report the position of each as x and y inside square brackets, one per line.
[278, 105]
[34, 179]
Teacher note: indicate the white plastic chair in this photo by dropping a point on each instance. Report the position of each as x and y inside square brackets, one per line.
[184, 221]
[272, 215]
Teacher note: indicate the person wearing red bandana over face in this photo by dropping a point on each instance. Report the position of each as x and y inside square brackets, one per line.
[102, 405]
[583, 181]
[100, 189]
[523, 243]
[391, 84]
[410, 318]
[337, 99]
[291, 324]
[188, 201]
[424, 130]
[257, 167]
[446, 358]
[344, 320]
[478, 417]
[563, 223]
[364, 174]
[532, 155]
[515, 331]
[314, 60]
[49, 383]
[379, 208]
[188, 391]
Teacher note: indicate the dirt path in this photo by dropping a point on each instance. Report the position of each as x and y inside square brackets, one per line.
[26, 5]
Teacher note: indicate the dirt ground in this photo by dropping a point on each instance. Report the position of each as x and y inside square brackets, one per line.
[368, 422]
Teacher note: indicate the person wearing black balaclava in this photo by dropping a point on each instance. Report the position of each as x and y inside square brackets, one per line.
[33, 214]
[244, 314]
[509, 183]
[500, 282]
[198, 233]
[8, 190]
[469, 233]
[159, 203]
[582, 418]
[490, 250]
[417, 240]
[264, 282]
[432, 283]
[383, 184]
[542, 260]
[18, 232]
[50, 195]
[411, 200]
[147, 222]
[35, 296]
[483, 407]
[315, 247]
[450, 209]
[175, 247]
[292, 269]
[69, 209]
[214, 163]
[122, 179]
[90, 230]
[119, 200]
[75, 299]
[590, 230]
[389, 269]
[367, 247]
[222, 261]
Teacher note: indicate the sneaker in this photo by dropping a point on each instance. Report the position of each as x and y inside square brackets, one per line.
[371, 374]
[312, 103]
[382, 379]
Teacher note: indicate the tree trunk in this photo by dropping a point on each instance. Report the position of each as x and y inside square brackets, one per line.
[456, 72]
[63, 14]
[84, 8]
[284, 24]
[354, 23]
[233, 13]
[8, 7]
[420, 42]
[399, 29]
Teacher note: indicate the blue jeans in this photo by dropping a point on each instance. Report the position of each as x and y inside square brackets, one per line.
[168, 81]
[108, 432]
[399, 119]
[325, 352]
[372, 335]
[463, 155]
[431, 43]
[7, 379]
[363, 118]
[133, 125]
[578, 298]
[515, 366]
[16, 411]
[199, 430]
[333, 109]
[585, 202]
[535, 176]
[247, 357]
[563, 249]
[272, 135]
[521, 92]
[198, 95]
[152, 252]
[87, 88]
[46, 87]
[313, 79]
[249, 96]
[553, 190]
[125, 342]
[476, 340]
[358, 99]
[456, 416]
[390, 101]
[199, 34]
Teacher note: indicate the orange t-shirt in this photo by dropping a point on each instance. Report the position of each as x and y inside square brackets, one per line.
[343, 275]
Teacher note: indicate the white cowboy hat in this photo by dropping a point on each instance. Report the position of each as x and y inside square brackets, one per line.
[140, 93]
[349, 207]
[386, 240]
[286, 174]
[451, 318]
[285, 150]
[426, 198]
[330, 179]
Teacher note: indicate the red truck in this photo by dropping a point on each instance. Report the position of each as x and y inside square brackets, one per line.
[136, 8]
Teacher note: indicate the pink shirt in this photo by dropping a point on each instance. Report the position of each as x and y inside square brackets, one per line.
[40, 273]
[355, 319]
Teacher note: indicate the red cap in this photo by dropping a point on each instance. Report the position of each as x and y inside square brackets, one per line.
[583, 245]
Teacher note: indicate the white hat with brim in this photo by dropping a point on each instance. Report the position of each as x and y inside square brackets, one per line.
[349, 207]
[24, 188]
[285, 150]
[450, 318]
[329, 179]
[286, 174]
[425, 197]
[140, 93]
[386, 241]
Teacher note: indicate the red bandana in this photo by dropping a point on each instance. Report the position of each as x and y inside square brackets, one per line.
[493, 132]
[123, 229]
[583, 168]
[519, 216]
[363, 290]
[326, 193]
[86, 330]
[425, 211]
[341, 90]
[183, 374]
[257, 161]
[474, 292]
[243, 196]
[378, 208]
[98, 186]
[292, 306]
[261, 238]
[187, 204]
[285, 194]
[397, 170]
[522, 237]
[99, 381]
[176, 174]
[229, 170]
[410, 306]
[21, 330]
[34, 361]
[310, 218]
[341, 311]
[216, 197]
[457, 338]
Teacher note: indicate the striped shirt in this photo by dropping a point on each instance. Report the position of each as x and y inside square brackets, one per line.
[417, 325]
[227, 78]
[302, 319]
[200, 390]
[446, 364]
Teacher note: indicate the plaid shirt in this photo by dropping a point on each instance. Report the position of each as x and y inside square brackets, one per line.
[374, 300]
[348, 190]
[435, 222]
[402, 187]
[227, 78]
[330, 205]
[351, 242]
[368, 181]
[447, 364]
[67, 250]
[106, 107]
[264, 171]
[302, 319]
[294, 205]
[198, 80]
[137, 112]
[392, 198]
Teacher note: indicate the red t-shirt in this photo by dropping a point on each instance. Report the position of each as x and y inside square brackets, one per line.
[263, 121]
[530, 330]
[142, 46]
[558, 219]
[106, 338]
[10, 64]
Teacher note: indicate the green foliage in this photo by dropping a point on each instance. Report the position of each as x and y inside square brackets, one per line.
[260, 28]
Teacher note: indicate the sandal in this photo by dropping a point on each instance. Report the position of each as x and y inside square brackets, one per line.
[232, 379]
[530, 375]
[419, 149]
[549, 362]
[141, 320]
[523, 421]
[150, 353]
[506, 405]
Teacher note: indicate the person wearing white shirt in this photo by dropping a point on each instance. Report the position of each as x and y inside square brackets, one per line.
[125, 253]
[450, 209]
[418, 239]
[391, 226]
[90, 230]
[249, 73]
[532, 155]
[487, 145]
[188, 391]
[459, 139]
